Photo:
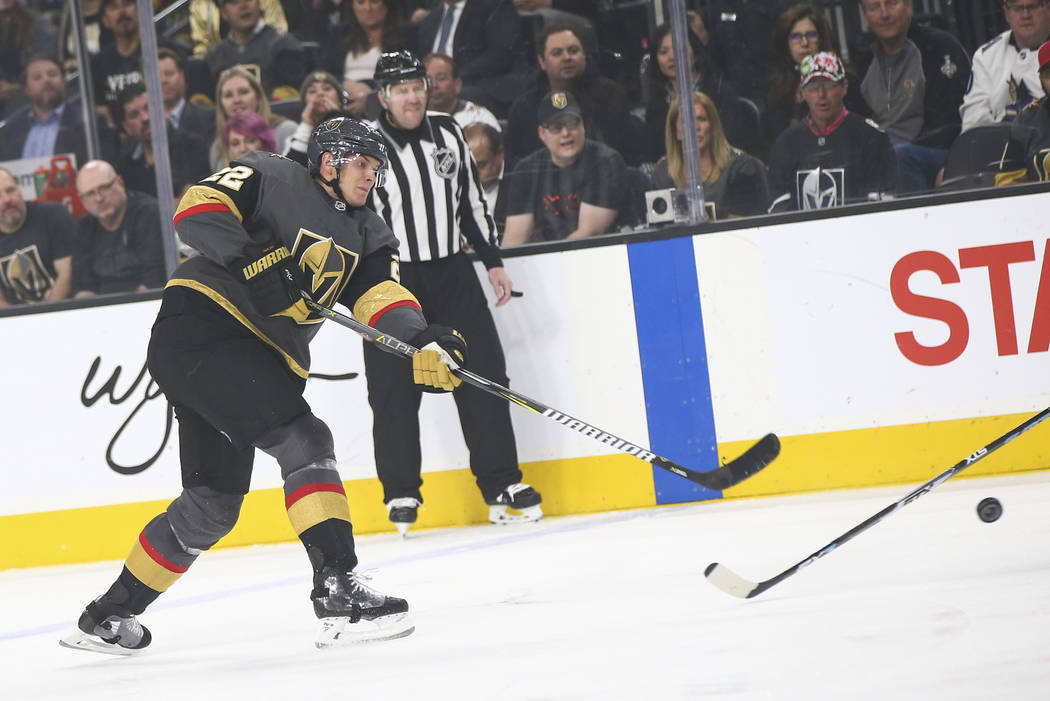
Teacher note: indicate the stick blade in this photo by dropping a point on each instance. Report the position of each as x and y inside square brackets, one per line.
[753, 461]
[729, 581]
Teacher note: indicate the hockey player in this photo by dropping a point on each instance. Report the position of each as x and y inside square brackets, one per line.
[230, 350]
[434, 203]
[1005, 76]
[832, 157]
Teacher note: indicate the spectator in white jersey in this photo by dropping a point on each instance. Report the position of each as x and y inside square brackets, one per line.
[432, 201]
[445, 86]
[1005, 76]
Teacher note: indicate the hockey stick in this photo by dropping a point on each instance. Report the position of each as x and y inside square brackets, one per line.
[735, 471]
[735, 585]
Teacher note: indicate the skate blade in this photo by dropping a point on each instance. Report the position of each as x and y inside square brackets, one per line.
[79, 640]
[339, 631]
[504, 514]
[402, 528]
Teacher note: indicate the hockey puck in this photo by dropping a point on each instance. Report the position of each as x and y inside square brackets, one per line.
[989, 509]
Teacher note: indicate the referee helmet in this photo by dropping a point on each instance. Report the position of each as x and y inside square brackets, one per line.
[395, 67]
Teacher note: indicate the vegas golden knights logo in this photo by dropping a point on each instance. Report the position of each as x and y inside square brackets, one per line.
[328, 267]
[559, 100]
[24, 276]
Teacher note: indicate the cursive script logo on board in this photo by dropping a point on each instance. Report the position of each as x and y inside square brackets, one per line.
[109, 388]
[150, 392]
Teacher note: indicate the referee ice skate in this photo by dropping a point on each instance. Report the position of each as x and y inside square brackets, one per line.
[230, 350]
[433, 200]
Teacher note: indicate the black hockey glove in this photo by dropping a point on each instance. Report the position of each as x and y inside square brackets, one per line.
[274, 282]
[441, 350]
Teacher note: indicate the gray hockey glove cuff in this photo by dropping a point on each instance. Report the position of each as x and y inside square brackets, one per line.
[274, 282]
[441, 350]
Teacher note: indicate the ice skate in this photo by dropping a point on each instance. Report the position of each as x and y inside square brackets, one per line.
[109, 629]
[403, 513]
[517, 502]
[352, 612]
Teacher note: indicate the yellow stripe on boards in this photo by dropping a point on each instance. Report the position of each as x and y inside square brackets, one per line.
[888, 455]
[838, 460]
[581, 485]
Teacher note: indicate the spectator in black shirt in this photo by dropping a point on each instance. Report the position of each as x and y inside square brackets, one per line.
[571, 188]
[118, 245]
[832, 157]
[735, 183]
[187, 152]
[119, 64]
[34, 247]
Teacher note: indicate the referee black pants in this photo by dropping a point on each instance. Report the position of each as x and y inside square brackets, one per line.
[450, 294]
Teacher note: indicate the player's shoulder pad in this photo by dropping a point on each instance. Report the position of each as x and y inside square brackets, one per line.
[265, 162]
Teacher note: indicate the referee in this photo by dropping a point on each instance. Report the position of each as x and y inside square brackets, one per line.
[433, 200]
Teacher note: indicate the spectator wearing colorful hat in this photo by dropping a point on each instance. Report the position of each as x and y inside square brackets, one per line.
[1027, 157]
[833, 157]
[571, 188]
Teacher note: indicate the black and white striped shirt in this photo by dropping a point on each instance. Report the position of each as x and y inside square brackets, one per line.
[430, 214]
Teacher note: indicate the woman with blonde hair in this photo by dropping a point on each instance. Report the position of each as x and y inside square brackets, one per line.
[735, 183]
[239, 90]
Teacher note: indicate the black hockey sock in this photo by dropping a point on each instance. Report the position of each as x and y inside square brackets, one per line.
[127, 595]
[330, 544]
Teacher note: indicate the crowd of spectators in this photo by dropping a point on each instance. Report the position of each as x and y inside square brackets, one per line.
[567, 139]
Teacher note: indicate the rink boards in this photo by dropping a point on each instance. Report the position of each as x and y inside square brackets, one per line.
[881, 347]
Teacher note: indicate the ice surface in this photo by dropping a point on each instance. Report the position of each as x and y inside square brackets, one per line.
[929, 604]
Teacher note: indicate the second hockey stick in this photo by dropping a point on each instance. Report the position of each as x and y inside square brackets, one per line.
[735, 585]
[735, 471]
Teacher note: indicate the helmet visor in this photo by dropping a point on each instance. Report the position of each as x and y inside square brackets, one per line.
[380, 170]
